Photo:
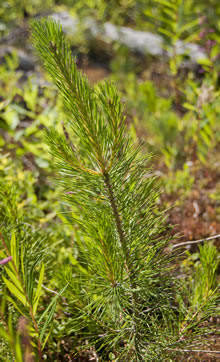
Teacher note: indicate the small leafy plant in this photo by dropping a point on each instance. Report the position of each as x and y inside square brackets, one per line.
[25, 255]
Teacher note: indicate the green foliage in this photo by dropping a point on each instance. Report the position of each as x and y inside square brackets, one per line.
[32, 252]
[205, 274]
[203, 291]
[14, 11]
[154, 114]
[25, 248]
[168, 16]
[181, 122]
[11, 337]
[23, 113]
[179, 182]
[176, 21]
[179, 117]
[202, 119]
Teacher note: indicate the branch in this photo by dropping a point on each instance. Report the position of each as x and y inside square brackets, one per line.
[195, 241]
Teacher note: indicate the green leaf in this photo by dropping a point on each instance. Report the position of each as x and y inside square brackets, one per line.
[16, 292]
[10, 326]
[173, 66]
[206, 139]
[33, 148]
[4, 334]
[214, 51]
[14, 250]
[39, 289]
[166, 3]
[50, 309]
[170, 13]
[166, 32]
[112, 356]
[189, 25]
[168, 21]
[190, 107]
[74, 261]
[4, 104]
[15, 305]
[22, 260]
[46, 339]
[149, 13]
[13, 276]
[49, 318]
[12, 118]
[205, 61]
[18, 349]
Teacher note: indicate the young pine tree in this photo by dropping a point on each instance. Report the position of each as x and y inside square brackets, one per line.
[120, 293]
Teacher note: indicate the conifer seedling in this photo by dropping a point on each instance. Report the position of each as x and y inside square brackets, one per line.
[122, 299]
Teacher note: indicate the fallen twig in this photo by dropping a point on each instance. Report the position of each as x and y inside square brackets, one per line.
[195, 241]
[194, 350]
[49, 290]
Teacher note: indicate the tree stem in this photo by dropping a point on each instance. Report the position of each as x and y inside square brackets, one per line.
[128, 266]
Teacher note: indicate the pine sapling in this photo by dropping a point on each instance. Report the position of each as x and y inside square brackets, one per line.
[121, 295]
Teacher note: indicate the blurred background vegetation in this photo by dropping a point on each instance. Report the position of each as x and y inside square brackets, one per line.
[171, 103]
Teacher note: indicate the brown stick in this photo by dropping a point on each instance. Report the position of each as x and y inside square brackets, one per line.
[194, 350]
[195, 241]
